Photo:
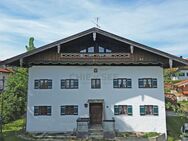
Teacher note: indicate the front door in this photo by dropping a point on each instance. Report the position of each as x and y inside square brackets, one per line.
[95, 113]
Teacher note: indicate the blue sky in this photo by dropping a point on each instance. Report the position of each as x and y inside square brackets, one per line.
[162, 24]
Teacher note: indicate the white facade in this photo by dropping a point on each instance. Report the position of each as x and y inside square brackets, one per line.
[181, 75]
[134, 96]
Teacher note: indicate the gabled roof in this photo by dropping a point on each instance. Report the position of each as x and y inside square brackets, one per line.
[5, 70]
[98, 31]
[182, 83]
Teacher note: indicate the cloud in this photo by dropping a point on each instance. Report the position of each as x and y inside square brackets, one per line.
[160, 24]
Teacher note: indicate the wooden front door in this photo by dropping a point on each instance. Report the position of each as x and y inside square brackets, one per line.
[95, 113]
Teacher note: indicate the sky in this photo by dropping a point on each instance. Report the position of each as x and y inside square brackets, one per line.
[161, 24]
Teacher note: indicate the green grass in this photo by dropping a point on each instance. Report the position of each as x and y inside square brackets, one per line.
[174, 126]
[14, 126]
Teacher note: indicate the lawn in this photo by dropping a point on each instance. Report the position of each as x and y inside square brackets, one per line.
[174, 126]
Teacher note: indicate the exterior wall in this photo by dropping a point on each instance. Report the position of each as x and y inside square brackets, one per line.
[134, 96]
[181, 77]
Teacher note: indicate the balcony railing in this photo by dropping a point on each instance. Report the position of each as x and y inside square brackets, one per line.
[95, 55]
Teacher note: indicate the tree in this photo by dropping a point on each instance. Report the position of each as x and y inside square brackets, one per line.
[15, 95]
[31, 44]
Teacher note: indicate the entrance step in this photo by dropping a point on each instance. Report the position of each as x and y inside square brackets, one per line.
[96, 132]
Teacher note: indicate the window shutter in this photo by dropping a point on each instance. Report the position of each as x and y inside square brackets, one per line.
[75, 83]
[62, 110]
[141, 83]
[63, 84]
[129, 109]
[49, 84]
[142, 110]
[155, 110]
[116, 110]
[154, 83]
[115, 83]
[129, 83]
[36, 110]
[49, 110]
[36, 84]
[75, 110]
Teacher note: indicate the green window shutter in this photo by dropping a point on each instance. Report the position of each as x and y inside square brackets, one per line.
[116, 110]
[75, 83]
[142, 110]
[130, 110]
[49, 110]
[129, 83]
[62, 110]
[115, 83]
[155, 110]
[154, 83]
[63, 84]
[141, 83]
[36, 84]
[36, 110]
[75, 110]
[49, 84]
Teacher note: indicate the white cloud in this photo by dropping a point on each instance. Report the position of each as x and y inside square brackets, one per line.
[143, 21]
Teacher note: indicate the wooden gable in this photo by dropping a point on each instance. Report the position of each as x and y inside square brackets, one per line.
[95, 47]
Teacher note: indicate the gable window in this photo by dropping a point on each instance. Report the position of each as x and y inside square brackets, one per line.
[123, 110]
[69, 110]
[69, 84]
[95, 83]
[147, 83]
[43, 84]
[42, 110]
[91, 50]
[122, 83]
[181, 74]
[149, 110]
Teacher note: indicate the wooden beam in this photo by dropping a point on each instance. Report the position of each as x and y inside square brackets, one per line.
[58, 49]
[94, 36]
[170, 63]
[132, 49]
[21, 62]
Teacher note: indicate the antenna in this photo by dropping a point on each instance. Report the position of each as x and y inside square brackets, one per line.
[96, 22]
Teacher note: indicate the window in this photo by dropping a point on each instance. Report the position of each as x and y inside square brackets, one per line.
[181, 74]
[101, 50]
[42, 110]
[187, 73]
[122, 83]
[123, 110]
[91, 50]
[147, 83]
[43, 84]
[69, 84]
[95, 83]
[149, 110]
[69, 110]
[108, 51]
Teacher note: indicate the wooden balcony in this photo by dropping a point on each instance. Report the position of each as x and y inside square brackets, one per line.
[94, 55]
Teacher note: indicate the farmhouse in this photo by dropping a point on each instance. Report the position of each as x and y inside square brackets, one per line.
[98, 78]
